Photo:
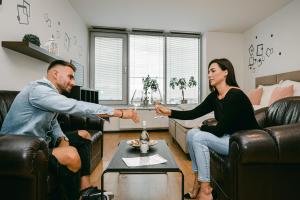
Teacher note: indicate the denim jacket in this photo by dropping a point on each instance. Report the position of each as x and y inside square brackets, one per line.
[35, 110]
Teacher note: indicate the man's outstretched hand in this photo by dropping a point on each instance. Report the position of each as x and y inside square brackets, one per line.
[124, 114]
[130, 114]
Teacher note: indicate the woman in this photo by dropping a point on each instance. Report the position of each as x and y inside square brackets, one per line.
[232, 110]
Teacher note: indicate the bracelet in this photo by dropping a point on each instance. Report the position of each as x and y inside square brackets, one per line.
[121, 114]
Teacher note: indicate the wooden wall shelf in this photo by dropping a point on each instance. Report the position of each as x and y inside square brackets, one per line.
[31, 50]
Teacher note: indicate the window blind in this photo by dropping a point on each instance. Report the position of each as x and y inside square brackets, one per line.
[146, 57]
[182, 62]
[108, 68]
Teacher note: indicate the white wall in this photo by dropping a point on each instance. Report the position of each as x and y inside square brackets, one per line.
[284, 25]
[17, 70]
[222, 45]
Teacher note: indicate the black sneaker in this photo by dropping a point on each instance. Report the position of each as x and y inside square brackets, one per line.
[93, 193]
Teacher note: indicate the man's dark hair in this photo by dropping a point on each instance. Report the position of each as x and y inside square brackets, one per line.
[61, 62]
[225, 64]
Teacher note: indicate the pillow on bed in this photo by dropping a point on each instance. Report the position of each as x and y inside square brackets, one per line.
[267, 92]
[295, 84]
[255, 96]
[281, 92]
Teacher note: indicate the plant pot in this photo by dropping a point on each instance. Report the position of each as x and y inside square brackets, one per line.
[184, 101]
[145, 102]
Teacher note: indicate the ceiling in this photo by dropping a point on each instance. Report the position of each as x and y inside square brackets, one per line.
[235, 16]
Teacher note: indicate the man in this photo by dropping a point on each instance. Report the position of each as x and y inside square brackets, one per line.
[34, 112]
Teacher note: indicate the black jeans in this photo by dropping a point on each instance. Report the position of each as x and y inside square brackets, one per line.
[65, 183]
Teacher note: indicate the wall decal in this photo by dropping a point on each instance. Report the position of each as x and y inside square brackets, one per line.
[259, 63]
[67, 42]
[269, 51]
[251, 50]
[23, 13]
[74, 40]
[259, 49]
[251, 61]
[256, 59]
[57, 33]
[47, 20]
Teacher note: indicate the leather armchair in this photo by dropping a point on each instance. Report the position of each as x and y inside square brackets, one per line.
[24, 159]
[262, 164]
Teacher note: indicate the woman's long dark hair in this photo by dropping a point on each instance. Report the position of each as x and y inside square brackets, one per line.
[225, 64]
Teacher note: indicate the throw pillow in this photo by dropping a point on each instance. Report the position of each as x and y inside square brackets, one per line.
[295, 84]
[281, 92]
[267, 92]
[255, 95]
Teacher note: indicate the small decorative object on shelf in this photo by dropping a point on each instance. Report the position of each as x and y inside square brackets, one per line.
[32, 38]
[52, 46]
[148, 83]
[182, 84]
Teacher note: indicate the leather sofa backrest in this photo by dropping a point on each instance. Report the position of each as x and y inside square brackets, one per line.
[284, 111]
[6, 99]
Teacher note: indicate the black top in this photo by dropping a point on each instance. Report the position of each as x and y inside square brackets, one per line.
[234, 112]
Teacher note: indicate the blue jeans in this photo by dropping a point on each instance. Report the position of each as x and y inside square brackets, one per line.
[199, 143]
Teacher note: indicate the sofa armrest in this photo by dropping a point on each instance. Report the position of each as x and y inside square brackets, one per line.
[253, 146]
[287, 139]
[71, 123]
[23, 155]
[261, 116]
[95, 124]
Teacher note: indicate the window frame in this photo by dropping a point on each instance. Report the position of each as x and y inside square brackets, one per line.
[124, 37]
[186, 35]
[112, 32]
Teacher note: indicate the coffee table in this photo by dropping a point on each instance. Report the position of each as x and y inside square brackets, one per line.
[126, 151]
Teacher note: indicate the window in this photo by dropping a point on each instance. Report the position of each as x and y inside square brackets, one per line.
[110, 64]
[146, 58]
[161, 56]
[182, 62]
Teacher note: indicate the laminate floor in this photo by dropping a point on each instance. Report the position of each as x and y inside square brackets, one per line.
[141, 186]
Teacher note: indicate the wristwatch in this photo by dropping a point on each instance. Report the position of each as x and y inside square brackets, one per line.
[62, 138]
[65, 138]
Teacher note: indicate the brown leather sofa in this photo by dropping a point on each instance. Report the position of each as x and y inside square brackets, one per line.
[24, 159]
[262, 164]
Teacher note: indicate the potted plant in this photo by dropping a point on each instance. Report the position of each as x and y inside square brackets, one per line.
[148, 84]
[182, 84]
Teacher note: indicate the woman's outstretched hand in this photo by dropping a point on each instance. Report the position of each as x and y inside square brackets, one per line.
[162, 110]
